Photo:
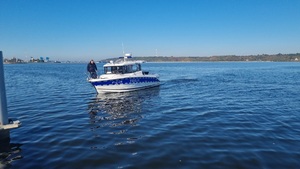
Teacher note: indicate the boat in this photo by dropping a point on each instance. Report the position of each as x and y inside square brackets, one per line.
[124, 75]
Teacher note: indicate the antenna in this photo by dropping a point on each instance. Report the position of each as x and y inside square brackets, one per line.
[123, 48]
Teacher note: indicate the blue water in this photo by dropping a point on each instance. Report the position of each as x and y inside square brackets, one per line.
[204, 115]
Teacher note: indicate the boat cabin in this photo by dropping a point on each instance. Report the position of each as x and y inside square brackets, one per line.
[122, 68]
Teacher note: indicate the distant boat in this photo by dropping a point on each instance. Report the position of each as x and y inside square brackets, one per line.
[124, 75]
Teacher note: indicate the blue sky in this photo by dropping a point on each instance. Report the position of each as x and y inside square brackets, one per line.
[79, 30]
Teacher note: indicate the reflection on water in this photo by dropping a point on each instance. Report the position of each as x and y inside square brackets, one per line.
[112, 106]
[9, 152]
[117, 113]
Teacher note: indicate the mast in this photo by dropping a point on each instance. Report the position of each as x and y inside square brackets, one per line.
[123, 48]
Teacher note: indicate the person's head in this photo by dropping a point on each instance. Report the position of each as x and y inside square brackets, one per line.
[92, 61]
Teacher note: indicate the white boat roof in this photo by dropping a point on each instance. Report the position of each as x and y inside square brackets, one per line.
[122, 63]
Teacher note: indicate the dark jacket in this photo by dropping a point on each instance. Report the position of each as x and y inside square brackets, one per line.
[91, 67]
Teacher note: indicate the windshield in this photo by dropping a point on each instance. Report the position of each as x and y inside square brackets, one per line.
[122, 69]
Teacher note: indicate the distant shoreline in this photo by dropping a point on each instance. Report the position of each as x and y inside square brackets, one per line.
[158, 59]
[227, 58]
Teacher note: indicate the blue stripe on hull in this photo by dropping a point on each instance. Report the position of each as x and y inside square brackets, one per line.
[126, 81]
[107, 90]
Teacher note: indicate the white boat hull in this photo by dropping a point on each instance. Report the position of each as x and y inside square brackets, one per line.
[124, 84]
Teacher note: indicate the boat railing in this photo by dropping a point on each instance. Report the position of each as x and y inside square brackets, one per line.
[89, 76]
[145, 72]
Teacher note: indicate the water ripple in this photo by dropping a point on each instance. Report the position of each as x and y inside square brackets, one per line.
[204, 115]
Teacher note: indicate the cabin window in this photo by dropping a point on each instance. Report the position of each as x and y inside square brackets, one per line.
[122, 69]
[137, 67]
[114, 70]
[107, 70]
[128, 69]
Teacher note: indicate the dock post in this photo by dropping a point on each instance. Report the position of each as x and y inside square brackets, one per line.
[5, 123]
[3, 103]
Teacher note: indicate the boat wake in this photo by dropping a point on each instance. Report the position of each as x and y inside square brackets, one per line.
[178, 83]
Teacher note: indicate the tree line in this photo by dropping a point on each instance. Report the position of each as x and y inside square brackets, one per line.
[226, 58]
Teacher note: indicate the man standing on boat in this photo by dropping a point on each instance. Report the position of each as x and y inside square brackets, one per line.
[92, 68]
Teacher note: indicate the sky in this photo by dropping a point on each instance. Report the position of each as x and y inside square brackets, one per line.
[80, 30]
